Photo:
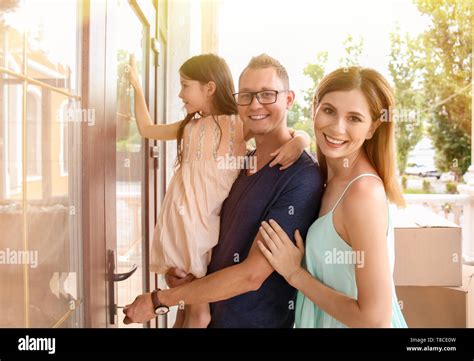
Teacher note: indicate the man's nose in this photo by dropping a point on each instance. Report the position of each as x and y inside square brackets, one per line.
[255, 103]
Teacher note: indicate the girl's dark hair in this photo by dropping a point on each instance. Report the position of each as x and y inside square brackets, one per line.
[205, 68]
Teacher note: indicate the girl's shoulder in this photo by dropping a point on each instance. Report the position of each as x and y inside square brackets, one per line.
[220, 118]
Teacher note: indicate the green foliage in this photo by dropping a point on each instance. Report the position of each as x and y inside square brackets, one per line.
[426, 186]
[447, 74]
[404, 182]
[354, 50]
[452, 143]
[451, 188]
[404, 69]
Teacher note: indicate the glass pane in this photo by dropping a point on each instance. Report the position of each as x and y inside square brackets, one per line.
[11, 210]
[129, 161]
[52, 45]
[52, 201]
[42, 146]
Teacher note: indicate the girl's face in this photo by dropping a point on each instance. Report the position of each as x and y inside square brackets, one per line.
[342, 122]
[195, 96]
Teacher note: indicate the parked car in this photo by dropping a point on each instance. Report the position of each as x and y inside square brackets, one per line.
[422, 171]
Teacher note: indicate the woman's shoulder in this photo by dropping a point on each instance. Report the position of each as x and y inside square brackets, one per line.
[364, 193]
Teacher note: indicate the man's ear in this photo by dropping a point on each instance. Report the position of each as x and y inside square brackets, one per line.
[211, 88]
[290, 98]
[373, 128]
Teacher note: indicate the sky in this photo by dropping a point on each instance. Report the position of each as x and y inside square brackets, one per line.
[295, 31]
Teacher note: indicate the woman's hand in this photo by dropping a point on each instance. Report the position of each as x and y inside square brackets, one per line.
[288, 153]
[280, 251]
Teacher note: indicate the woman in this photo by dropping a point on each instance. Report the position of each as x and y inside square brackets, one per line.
[347, 276]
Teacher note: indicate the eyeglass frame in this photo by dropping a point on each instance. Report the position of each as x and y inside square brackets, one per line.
[255, 95]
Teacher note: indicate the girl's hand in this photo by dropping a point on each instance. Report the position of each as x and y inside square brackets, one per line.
[280, 251]
[176, 277]
[288, 153]
[133, 72]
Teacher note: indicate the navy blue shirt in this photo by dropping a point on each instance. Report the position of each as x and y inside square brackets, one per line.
[291, 197]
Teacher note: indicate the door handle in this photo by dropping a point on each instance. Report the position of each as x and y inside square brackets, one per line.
[113, 277]
[155, 155]
[155, 151]
[123, 276]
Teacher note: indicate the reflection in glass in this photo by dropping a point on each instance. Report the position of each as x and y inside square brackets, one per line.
[39, 168]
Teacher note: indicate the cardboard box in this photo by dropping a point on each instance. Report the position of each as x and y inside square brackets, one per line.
[428, 249]
[439, 307]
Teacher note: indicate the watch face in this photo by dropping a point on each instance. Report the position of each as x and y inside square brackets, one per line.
[162, 310]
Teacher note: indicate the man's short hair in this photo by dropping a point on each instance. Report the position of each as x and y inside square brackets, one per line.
[264, 61]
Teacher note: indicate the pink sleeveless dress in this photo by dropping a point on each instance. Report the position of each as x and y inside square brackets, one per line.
[188, 224]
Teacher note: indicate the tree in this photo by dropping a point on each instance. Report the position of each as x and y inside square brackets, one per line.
[404, 68]
[300, 115]
[354, 50]
[447, 76]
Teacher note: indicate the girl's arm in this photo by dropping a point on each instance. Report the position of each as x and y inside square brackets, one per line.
[301, 135]
[146, 127]
[290, 152]
[367, 235]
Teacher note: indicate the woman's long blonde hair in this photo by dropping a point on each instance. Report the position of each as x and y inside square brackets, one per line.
[381, 148]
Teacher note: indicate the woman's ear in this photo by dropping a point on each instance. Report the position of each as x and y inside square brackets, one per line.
[373, 127]
[211, 88]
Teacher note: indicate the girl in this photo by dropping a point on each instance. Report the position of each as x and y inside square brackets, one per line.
[347, 280]
[210, 135]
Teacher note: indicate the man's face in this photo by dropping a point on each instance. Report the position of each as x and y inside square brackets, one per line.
[263, 119]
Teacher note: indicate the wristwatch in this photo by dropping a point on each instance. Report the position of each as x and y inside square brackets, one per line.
[160, 309]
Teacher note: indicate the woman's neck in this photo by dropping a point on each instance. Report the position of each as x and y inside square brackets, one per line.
[344, 167]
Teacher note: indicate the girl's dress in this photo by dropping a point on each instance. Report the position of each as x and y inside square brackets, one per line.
[188, 224]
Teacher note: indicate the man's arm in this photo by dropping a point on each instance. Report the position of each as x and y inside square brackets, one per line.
[223, 284]
[226, 283]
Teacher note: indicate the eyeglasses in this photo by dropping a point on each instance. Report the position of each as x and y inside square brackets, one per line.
[264, 97]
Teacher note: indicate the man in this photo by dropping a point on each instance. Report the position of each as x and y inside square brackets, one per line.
[242, 287]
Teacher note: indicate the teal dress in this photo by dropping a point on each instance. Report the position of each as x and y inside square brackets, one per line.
[323, 241]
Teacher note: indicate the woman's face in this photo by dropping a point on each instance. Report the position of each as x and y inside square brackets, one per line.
[342, 122]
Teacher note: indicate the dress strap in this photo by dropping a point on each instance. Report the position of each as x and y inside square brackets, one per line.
[350, 183]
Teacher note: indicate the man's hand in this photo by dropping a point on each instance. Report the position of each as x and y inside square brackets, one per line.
[176, 277]
[140, 311]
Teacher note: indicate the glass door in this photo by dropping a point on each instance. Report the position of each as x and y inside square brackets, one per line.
[129, 168]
